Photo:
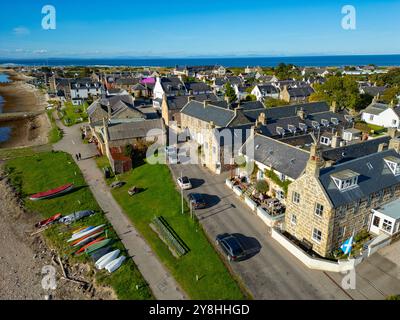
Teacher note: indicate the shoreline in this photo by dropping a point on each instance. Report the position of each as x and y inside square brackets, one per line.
[20, 96]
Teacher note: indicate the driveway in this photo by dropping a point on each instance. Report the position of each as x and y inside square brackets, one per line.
[272, 272]
[162, 284]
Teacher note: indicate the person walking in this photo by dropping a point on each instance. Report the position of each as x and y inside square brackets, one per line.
[80, 157]
[77, 158]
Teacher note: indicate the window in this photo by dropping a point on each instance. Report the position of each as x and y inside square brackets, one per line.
[317, 235]
[280, 194]
[293, 220]
[319, 209]
[326, 141]
[296, 197]
[394, 122]
[341, 232]
[376, 221]
[371, 117]
[387, 225]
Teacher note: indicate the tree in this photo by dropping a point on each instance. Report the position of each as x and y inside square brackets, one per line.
[272, 102]
[343, 90]
[230, 93]
[251, 97]
[287, 71]
[391, 94]
[128, 151]
[262, 186]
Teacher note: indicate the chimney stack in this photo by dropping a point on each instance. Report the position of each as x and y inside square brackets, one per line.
[382, 147]
[334, 107]
[395, 144]
[336, 139]
[302, 114]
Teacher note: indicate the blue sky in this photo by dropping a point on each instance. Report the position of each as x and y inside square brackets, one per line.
[179, 28]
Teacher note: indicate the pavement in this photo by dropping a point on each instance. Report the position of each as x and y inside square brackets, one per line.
[161, 282]
[273, 273]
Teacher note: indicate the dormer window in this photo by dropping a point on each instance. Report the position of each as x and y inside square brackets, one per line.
[325, 122]
[345, 180]
[394, 164]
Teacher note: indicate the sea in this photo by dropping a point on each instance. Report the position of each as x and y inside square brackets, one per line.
[317, 61]
[5, 131]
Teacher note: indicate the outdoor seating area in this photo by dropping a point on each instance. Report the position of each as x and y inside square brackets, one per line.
[271, 205]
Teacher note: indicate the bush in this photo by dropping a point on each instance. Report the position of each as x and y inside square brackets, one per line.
[262, 186]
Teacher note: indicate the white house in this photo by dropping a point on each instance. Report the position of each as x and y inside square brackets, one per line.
[82, 90]
[381, 114]
[263, 91]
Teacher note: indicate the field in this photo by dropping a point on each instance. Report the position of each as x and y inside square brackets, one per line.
[72, 115]
[48, 170]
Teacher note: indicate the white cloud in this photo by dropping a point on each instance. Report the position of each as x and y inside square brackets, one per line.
[21, 31]
[41, 51]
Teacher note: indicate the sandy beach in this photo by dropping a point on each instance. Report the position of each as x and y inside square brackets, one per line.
[19, 96]
[23, 256]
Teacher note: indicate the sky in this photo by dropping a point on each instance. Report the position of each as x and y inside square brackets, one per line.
[177, 28]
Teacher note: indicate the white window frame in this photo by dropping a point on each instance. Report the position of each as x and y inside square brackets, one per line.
[293, 219]
[319, 209]
[313, 233]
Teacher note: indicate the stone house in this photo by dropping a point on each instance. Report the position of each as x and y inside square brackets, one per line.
[326, 205]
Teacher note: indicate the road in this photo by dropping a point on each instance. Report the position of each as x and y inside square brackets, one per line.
[273, 273]
[162, 284]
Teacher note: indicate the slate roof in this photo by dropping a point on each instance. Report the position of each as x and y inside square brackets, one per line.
[286, 159]
[300, 92]
[221, 117]
[354, 151]
[197, 86]
[376, 108]
[374, 175]
[373, 90]
[268, 89]
[178, 102]
[133, 129]
[172, 84]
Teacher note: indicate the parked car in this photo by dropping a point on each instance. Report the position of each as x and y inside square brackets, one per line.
[197, 200]
[231, 247]
[184, 183]
[173, 158]
[117, 184]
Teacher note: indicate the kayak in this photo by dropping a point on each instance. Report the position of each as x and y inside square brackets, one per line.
[115, 264]
[81, 250]
[95, 256]
[87, 236]
[106, 259]
[48, 221]
[51, 193]
[76, 216]
[86, 240]
[86, 233]
[98, 246]
[80, 230]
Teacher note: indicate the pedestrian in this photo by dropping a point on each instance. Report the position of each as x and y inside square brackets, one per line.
[76, 156]
[80, 157]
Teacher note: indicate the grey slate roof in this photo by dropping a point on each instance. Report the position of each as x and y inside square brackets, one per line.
[280, 156]
[133, 129]
[354, 151]
[178, 102]
[374, 176]
[373, 91]
[300, 92]
[197, 86]
[376, 108]
[220, 116]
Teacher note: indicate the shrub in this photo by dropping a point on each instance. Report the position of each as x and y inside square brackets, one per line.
[262, 186]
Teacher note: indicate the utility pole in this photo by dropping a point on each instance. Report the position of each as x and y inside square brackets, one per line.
[182, 194]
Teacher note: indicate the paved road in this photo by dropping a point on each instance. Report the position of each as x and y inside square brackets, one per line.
[162, 284]
[274, 273]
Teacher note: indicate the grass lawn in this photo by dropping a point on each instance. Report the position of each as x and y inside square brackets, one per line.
[160, 198]
[55, 133]
[48, 170]
[72, 115]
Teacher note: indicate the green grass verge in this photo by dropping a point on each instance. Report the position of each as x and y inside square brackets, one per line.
[161, 198]
[55, 133]
[72, 115]
[48, 170]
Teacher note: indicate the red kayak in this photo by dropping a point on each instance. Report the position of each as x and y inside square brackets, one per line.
[89, 244]
[51, 193]
[48, 221]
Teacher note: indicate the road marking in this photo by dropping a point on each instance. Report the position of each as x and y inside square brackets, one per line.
[339, 286]
[73, 142]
